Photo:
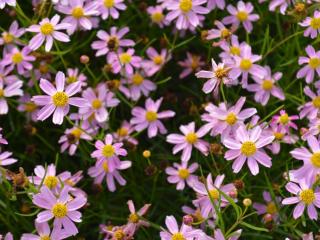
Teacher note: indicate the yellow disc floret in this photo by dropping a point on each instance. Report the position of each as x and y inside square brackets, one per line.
[245, 64]
[315, 23]
[191, 138]
[178, 236]
[60, 99]
[267, 85]
[185, 5]
[59, 210]
[242, 16]
[248, 148]
[17, 57]
[314, 62]
[125, 58]
[315, 159]
[51, 181]
[307, 196]
[108, 150]
[46, 28]
[77, 12]
[231, 118]
[183, 173]
[108, 3]
[151, 116]
[96, 103]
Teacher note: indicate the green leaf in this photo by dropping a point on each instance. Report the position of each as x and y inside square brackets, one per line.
[245, 224]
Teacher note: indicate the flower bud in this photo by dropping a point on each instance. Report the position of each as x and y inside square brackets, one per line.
[146, 154]
[247, 202]
[187, 220]
[84, 59]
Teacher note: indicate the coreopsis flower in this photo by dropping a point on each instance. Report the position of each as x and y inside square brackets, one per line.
[6, 75]
[270, 208]
[73, 75]
[11, 3]
[124, 61]
[191, 64]
[9, 235]
[174, 232]
[2, 139]
[189, 139]
[265, 86]
[311, 108]
[222, 32]
[123, 133]
[11, 37]
[111, 8]
[234, 48]
[111, 42]
[312, 24]
[281, 4]
[212, 4]
[247, 145]
[156, 62]
[7, 91]
[79, 14]
[134, 221]
[219, 74]
[117, 232]
[187, 13]
[48, 31]
[223, 120]
[209, 192]
[313, 130]
[241, 15]
[63, 209]
[19, 59]
[285, 120]
[44, 232]
[6, 159]
[58, 99]
[306, 197]
[157, 15]
[181, 174]
[26, 105]
[312, 67]
[150, 117]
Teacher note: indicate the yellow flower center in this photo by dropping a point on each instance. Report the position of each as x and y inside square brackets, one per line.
[157, 17]
[235, 50]
[315, 159]
[108, 150]
[184, 173]
[30, 107]
[46, 29]
[72, 79]
[191, 138]
[119, 234]
[1, 93]
[178, 236]
[245, 64]
[60, 99]
[158, 60]
[225, 33]
[46, 237]
[17, 57]
[316, 102]
[315, 23]
[185, 5]
[307, 196]
[77, 12]
[242, 16]
[59, 210]
[7, 38]
[122, 132]
[51, 181]
[137, 79]
[151, 116]
[314, 62]
[214, 194]
[108, 3]
[271, 208]
[248, 148]
[134, 218]
[76, 133]
[278, 135]
[96, 104]
[231, 118]
[284, 119]
[43, 68]
[125, 58]
[267, 85]
[105, 166]
[194, 63]
[221, 73]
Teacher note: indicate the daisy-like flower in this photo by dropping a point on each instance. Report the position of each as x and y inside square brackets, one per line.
[306, 197]
[124, 61]
[11, 37]
[19, 59]
[2, 139]
[210, 191]
[247, 145]
[313, 130]
[134, 221]
[9, 235]
[9, 90]
[310, 109]
[64, 209]
[222, 33]
[181, 174]
[110, 8]
[111, 42]
[281, 4]
[48, 31]
[44, 233]
[73, 75]
[175, 233]
[150, 117]
[11, 3]
[212, 4]
[312, 24]
[187, 13]
[241, 15]
[219, 73]
[188, 140]
[264, 87]
[6, 159]
[285, 120]
[313, 64]
[231, 49]
[6, 75]
[156, 61]
[79, 14]
[269, 209]
[123, 133]
[191, 64]
[58, 100]
[157, 16]
[26, 105]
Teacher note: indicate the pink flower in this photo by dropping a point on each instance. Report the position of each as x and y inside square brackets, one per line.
[265, 86]
[73, 75]
[271, 208]
[212, 4]
[62, 208]
[182, 174]
[9, 90]
[157, 16]
[282, 4]
[9, 235]
[305, 197]
[43, 230]
[241, 15]
[222, 32]
[26, 105]
[231, 49]
[6, 159]
[111, 8]
[219, 236]
[11, 37]
[313, 130]
[191, 64]
[313, 64]
[150, 117]
[111, 42]
[11, 3]
[187, 13]
[156, 61]
[48, 31]
[188, 140]
[285, 120]
[313, 24]
[248, 145]
[19, 59]
[2, 140]
[134, 221]
[58, 99]
[123, 133]
[311, 108]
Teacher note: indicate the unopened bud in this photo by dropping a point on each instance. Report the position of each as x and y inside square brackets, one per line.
[84, 59]
[247, 202]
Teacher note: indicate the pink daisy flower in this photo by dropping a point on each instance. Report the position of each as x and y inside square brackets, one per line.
[6, 159]
[19, 59]
[310, 109]
[44, 232]
[11, 3]
[306, 197]
[58, 99]
[111, 8]
[26, 105]
[123, 133]
[270, 208]
[281, 4]
[212, 4]
[313, 24]
[63, 209]
[231, 49]
[187, 13]
[73, 75]
[221, 32]
[134, 221]
[11, 37]
[48, 31]
[9, 90]
[156, 61]
[157, 16]
[2, 139]
[150, 117]
[285, 120]
[188, 140]
[9, 235]
[191, 64]
[241, 15]
[181, 174]
[313, 130]
[313, 64]
[6, 75]
[248, 145]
